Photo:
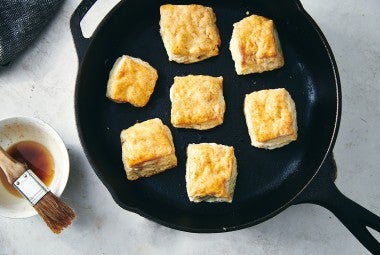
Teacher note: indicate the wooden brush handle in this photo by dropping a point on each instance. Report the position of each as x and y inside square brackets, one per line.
[11, 168]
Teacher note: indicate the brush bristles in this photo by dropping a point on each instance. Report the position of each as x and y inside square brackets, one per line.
[54, 212]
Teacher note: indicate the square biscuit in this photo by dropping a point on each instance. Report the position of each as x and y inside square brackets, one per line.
[255, 46]
[271, 118]
[211, 172]
[147, 149]
[189, 32]
[197, 102]
[131, 80]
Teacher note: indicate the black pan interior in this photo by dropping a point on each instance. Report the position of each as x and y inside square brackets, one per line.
[267, 179]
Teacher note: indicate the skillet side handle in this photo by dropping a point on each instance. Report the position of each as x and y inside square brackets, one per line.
[81, 43]
[322, 191]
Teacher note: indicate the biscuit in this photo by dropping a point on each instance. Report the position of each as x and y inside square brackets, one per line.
[255, 46]
[211, 172]
[271, 118]
[189, 32]
[131, 80]
[197, 102]
[147, 149]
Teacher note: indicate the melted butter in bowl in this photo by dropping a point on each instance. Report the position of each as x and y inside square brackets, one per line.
[35, 143]
[38, 159]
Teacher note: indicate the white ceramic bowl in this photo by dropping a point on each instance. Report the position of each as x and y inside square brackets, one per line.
[13, 130]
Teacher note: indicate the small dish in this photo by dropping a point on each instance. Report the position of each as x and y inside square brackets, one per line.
[16, 129]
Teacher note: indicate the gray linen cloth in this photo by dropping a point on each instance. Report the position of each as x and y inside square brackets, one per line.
[21, 21]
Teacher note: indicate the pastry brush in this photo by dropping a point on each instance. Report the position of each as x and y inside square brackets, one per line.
[53, 211]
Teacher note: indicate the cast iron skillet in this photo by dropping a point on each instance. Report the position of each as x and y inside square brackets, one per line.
[268, 181]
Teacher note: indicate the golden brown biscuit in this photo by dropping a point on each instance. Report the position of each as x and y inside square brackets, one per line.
[147, 149]
[271, 118]
[131, 80]
[211, 172]
[197, 102]
[189, 32]
[255, 46]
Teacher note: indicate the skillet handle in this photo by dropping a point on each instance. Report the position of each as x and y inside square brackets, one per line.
[322, 191]
[81, 43]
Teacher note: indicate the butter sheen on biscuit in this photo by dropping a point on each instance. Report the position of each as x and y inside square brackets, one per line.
[211, 171]
[197, 102]
[255, 46]
[189, 32]
[271, 118]
[147, 149]
[131, 80]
